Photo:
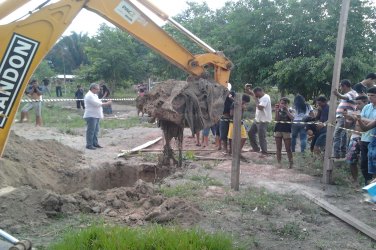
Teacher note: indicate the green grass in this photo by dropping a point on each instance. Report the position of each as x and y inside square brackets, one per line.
[206, 180]
[313, 165]
[153, 238]
[114, 123]
[308, 163]
[186, 190]
[70, 120]
[291, 230]
[253, 198]
[189, 156]
[148, 157]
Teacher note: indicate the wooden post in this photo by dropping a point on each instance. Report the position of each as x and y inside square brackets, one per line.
[235, 169]
[328, 161]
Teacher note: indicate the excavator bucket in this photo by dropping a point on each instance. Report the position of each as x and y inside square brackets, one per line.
[197, 103]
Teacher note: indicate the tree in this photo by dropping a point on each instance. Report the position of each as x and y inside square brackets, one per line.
[43, 71]
[287, 43]
[116, 57]
[68, 53]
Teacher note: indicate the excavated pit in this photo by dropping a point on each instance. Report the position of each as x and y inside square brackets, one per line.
[120, 174]
[50, 165]
[43, 181]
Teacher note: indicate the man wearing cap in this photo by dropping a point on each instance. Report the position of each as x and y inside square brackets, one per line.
[93, 113]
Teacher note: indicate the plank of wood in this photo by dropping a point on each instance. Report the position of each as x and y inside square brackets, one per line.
[184, 150]
[364, 228]
[145, 145]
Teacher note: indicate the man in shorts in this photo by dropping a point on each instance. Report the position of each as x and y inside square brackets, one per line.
[34, 92]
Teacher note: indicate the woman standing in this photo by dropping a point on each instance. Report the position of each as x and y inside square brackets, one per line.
[301, 110]
[282, 129]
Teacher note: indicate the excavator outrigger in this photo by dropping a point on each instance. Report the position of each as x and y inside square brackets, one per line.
[24, 44]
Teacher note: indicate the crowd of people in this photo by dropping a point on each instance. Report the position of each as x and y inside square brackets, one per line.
[356, 110]
[300, 121]
[35, 92]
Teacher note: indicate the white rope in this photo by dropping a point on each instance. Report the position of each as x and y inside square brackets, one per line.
[70, 100]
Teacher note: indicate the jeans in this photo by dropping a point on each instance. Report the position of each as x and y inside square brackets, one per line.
[92, 131]
[223, 129]
[260, 129]
[298, 129]
[364, 161]
[339, 139]
[80, 104]
[107, 109]
[58, 91]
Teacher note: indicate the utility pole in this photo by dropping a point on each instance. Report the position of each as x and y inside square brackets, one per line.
[328, 161]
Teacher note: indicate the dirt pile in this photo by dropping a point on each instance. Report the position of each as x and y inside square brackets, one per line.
[42, 179]
[130, 205]
[35, 163]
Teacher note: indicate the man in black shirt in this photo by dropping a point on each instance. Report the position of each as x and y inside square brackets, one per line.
[225, 120]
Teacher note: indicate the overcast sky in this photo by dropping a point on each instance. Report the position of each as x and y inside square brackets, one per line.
[171, 7]
[92, 21]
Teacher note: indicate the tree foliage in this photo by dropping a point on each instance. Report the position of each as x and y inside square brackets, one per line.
[286, 43]
[116, 57]
[68, 54]
[43, 71]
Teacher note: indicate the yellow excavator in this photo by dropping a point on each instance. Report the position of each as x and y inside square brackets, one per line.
[24, 43]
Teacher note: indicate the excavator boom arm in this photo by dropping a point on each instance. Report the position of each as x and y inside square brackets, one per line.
[25, 43]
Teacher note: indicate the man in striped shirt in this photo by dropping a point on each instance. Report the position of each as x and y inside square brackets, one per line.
[345, 106]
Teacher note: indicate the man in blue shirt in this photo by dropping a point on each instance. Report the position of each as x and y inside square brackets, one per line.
[368, 114]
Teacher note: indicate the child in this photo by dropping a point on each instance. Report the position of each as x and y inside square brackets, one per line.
[282, 131]
[80, 96]
[243, 132]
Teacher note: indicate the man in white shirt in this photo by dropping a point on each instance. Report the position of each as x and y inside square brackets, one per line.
[93, 113]
[262, 118]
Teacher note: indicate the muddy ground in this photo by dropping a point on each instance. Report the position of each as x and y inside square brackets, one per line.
[50, 183]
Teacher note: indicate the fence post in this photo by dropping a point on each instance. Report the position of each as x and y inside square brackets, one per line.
[328, 161]
[235, 168]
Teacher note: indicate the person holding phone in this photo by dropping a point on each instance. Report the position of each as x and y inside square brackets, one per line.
[282, 130]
